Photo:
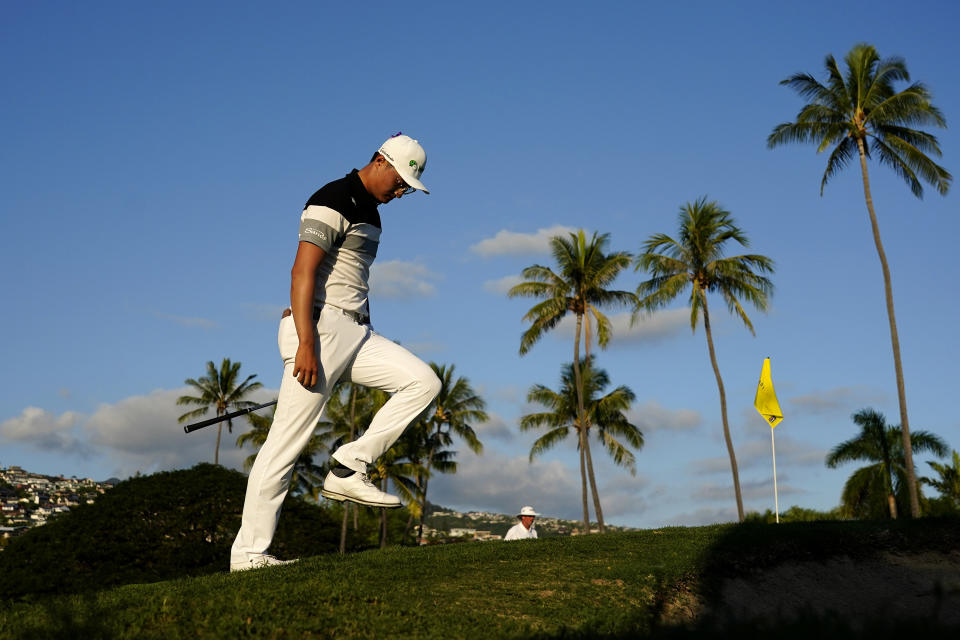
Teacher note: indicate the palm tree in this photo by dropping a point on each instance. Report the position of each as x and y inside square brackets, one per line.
[949, 483]
[580, 287]
[696, 259]
[455, 407]
[307, 478]
[859, 113]
[395, 465]
[874, 489]
[349, 410]
[606, 413]
[219, 389]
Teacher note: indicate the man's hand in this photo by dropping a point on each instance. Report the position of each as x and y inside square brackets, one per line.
[305, 366]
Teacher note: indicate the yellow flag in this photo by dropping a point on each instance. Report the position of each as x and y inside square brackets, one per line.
[766, 399]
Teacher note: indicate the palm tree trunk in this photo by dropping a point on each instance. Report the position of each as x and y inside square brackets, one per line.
[411, 518]
[886, 463]
[723, 407]
[343, 528]
[593, 485]
[216, 452]
[894, 338]
[578, 382]
[423, 495]
[586, 427]
[383, 518]
[407, 528]
[423, 507]
[583, 488]
[353, 429]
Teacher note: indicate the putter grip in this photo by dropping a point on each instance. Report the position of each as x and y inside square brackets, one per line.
[200, 425]
[204, 423]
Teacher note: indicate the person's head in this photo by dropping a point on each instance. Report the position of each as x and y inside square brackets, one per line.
[395, 169]
[527, 516]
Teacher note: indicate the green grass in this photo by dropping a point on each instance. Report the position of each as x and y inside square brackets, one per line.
[619, 585]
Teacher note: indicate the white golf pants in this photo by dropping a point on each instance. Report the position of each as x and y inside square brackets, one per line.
[355, 353]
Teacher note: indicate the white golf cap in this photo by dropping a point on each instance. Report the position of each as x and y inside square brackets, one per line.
[406, 156]
[527, 511]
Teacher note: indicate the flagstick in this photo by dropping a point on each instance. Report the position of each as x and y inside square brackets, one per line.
[776, 501]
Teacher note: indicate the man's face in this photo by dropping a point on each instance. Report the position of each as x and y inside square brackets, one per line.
[387, 183]
[527, 521]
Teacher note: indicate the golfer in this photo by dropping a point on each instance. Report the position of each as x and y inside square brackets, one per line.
[326, 336]
[523, 529]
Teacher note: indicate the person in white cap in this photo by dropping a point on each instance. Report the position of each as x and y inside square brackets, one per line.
[523, 529]
[325, 336]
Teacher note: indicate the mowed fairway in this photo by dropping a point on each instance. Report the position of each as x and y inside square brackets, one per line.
[659, 583]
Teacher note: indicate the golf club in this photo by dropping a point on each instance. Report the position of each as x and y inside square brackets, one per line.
[206, 423]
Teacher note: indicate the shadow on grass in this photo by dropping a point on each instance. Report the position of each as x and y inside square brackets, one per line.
[817, 579]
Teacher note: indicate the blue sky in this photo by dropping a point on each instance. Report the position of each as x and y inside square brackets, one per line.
[156, 158]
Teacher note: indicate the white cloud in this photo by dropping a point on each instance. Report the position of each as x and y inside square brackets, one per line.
[623, 495]
[652, 417]
[703, 516]
[790, 452]
[185, 321]
[141, 433]
[400, 279]
[502, 484]
[45, 431]
[755, 490]
[651, 327]
[838, 400]
[495, 427]
[510, 242]
[758, 454]
[503, 285]
[708, 466]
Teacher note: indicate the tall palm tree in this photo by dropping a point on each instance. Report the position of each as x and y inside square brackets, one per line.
[949, 483]
[421, 443]
[696, 259]
[307, 477]
[453, 410]
[859, 113]
[219, 389]
[580, 287]
[396, 466]
[875, 489]
[563, 417]
[349, 410]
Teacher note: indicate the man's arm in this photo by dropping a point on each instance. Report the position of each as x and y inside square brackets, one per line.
[303, 279]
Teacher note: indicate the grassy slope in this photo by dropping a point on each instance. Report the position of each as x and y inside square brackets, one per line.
[617, 585]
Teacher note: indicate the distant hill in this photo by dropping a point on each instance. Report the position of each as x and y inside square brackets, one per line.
[157, 527]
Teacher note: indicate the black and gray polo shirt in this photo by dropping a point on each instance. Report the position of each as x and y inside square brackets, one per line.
[342, 219]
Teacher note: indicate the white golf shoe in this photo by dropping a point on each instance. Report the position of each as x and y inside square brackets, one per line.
[257, 562]
[357, 488]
